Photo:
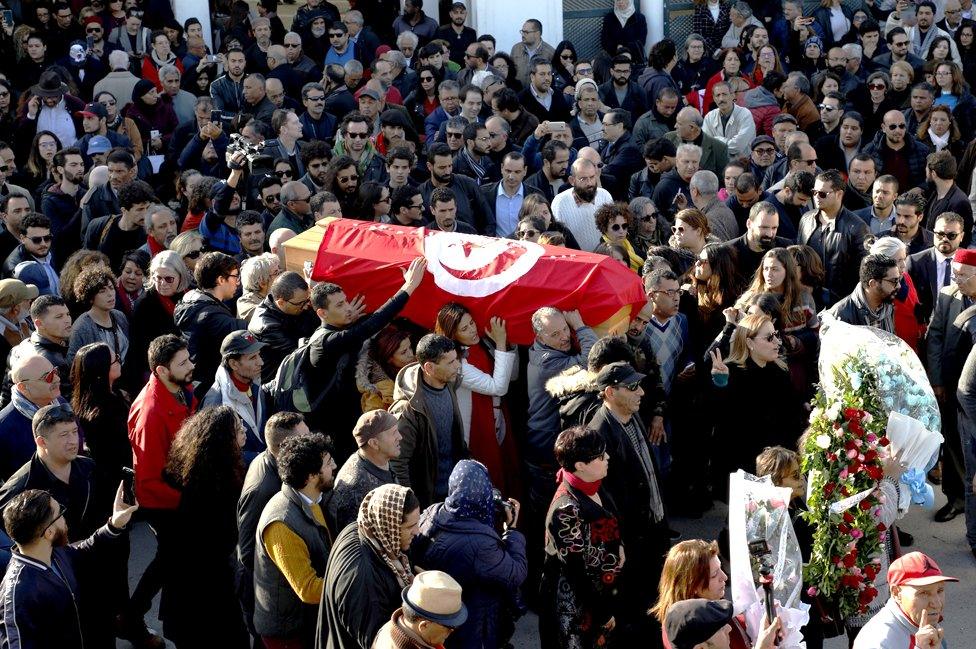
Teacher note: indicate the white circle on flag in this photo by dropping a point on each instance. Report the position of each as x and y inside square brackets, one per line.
[470, 265]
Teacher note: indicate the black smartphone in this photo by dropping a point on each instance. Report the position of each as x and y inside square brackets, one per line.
[128, 494]
[216, 116]
[91, 42]
[8, 17]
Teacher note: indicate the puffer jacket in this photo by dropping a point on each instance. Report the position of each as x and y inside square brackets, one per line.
[578, 396]
[416, 467]
[459, 538]
[764, 108]
[204, 321]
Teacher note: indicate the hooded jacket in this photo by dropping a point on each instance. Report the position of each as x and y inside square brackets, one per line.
[458, 537]
[764, 108]
[204, 321]
[251, 411]
[416, 467]
[577, 395]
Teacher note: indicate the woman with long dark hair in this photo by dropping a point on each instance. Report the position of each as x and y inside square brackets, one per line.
[504, 64]
[132, 280]
[486, 370]
[564, 61]
[423, 100]
[154, 116]
[8, 111]
[711, 20]
[199, 606]
[381, 358]
[39, 169]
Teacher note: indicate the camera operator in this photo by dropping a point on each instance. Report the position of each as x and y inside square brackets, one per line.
[459, 537]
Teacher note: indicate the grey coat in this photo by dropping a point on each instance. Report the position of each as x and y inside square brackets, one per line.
[85, 331]
[854, 310]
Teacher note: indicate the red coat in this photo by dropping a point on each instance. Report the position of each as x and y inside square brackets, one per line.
[906, 323]
[151, 73]
[154, 419]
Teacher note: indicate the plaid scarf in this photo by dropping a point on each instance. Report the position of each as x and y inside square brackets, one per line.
[380, 516]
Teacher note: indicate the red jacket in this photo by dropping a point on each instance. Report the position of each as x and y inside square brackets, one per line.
[150, 71]
[154, 418]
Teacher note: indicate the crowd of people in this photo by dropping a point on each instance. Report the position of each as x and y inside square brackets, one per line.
[314, 475]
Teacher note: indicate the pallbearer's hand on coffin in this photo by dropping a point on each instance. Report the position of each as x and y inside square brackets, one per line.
[414, 274]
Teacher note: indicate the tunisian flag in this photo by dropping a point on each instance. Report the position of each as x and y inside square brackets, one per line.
[490, 276]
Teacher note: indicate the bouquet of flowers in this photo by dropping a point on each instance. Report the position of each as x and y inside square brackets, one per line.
[762, 541]
[866, 374]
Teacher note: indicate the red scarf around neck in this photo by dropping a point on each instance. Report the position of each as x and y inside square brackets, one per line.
[588, 488]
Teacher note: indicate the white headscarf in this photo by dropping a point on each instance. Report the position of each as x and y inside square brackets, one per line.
[624, 15]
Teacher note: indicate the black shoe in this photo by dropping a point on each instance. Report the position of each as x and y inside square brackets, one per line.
[140, 635]
[905, 539]
[947, 513]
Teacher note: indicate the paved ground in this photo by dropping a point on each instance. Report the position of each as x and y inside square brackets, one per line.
[945, 542]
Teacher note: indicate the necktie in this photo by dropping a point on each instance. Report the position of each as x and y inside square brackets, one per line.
[947, 274]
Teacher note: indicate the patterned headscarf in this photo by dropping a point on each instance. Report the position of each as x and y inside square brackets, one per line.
[379, 520]
[469, 492]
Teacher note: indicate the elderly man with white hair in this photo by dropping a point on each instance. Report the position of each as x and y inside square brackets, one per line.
[740, 15]
[407, 43]
[576, 207]
[688, 130]
[183, 101]
[673, 191]
[119, 81]
[703, 188]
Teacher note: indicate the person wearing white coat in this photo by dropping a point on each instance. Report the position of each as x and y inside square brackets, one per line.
[730, 123]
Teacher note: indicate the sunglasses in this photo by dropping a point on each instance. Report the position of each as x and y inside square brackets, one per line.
[45, 238]
[822, 194]
[93, 30]
[878, 86]
[617, 227]
[771, 337]
[830, 109]
[48, 378]
[523, 234]
[358, 136]
[566, 57]
[62, 510]
[172, 280]
[194, 254]
[453, 135]
[273, 198]
[282, 174]
[336, 35]
[633, 387]
[948, 236]
[897, 127]
[426, 78]
[292, 45]
[647, 218]
[678, 229]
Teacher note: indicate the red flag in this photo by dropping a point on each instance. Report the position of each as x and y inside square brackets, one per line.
[488, 275]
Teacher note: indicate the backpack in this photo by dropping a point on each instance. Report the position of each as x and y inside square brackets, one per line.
[289, 391]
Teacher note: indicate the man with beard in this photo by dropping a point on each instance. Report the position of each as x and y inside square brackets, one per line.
[415, 20]
[161, 229]
[227, 90]
[839, 149]
[880, 214]
[539, 97]
[920, 36]
[931, 269]
[117, 234]
[922, 98]
[355, 144]
[472, 207]
[760, 237]
[909, 212]
[46, 579]
[860, 178]
[659, 120]
[342, 179]
[837, 63]
[825, 132]
[294, 543]
[575, 208]
[620, 91]
[551, 179]
[257, 54]
[316, 157]
[317, 124]
[872, 301]
[105, 199]
[900, 153]
[473, 160]
[60, 203]
[458, 36]
[93, 119]
[747, 193]
[944, 194]
[658, 160]
[154, 419]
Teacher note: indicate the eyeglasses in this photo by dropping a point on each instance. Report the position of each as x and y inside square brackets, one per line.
[618, 227]
[827, 108]
[582, 71]
[523, 234]
[319, 98]
[897, 127]
[49, 378]
[169, 280]
[358, 136]
[528, 31]
[194, 254]
[823, 194]
[893, 281]
[877, 86]
[948, 236]
[44, 238]
[62, 510]
[674, 292]
[301, 303]
[233, 276]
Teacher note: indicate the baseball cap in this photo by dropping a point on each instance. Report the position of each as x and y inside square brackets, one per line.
[691, 622]
[32, 273]
[14, 291]
[366, 91]
[915, 569]
[99, 144]
[371, 424]
[762, 139]
[619, 373]
[93, 109]
[240, 342]
[393, 117]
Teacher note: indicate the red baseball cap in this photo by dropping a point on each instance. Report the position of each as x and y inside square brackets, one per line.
[915, 569]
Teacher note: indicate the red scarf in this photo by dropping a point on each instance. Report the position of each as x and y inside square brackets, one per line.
[154, 246]
[588, 488]
[168, 303]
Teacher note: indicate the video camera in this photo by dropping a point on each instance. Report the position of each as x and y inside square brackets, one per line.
[258, 161]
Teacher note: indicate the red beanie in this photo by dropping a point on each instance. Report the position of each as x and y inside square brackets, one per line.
[965, 256]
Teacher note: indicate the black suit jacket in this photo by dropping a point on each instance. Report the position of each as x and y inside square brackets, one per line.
[558, 109]
[922, 268]
[540, 183]
[621, 160]
[490, 191]
[635, 101]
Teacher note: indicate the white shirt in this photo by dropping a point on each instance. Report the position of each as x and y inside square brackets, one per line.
[940, 269]
[580, 218]
[737, 133]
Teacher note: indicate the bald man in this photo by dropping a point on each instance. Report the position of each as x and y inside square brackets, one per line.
[36, 384]
[280, 68]
[575, 207]
[688, 130]
[899, 152]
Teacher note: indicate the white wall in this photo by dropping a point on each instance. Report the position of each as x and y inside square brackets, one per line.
[503, 19]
